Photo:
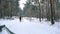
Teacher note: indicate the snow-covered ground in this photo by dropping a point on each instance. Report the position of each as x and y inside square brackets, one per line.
[30, 26]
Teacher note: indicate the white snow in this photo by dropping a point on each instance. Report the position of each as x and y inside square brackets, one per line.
[30, 26]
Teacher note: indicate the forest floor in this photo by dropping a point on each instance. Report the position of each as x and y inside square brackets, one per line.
[29, 26]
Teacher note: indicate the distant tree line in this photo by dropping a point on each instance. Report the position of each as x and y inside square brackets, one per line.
[45, 9]
[9, 8]
[49, 9]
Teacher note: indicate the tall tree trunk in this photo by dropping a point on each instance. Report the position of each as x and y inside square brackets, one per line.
[10, 9]
[55, 6]
[39, 10]
[47, 10]
[52, 11]
[56, 11]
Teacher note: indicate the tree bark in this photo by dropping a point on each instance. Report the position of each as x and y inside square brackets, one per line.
[52, 11]
[39, 10]
[47, 10]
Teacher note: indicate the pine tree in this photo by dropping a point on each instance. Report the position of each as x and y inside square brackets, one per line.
[52, 11]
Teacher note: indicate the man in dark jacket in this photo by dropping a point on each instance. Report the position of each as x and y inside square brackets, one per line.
[20, 18]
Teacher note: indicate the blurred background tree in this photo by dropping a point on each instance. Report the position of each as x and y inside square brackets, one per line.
[9, 8]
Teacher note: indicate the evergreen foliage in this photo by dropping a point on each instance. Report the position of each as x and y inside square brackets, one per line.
[9, 8]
